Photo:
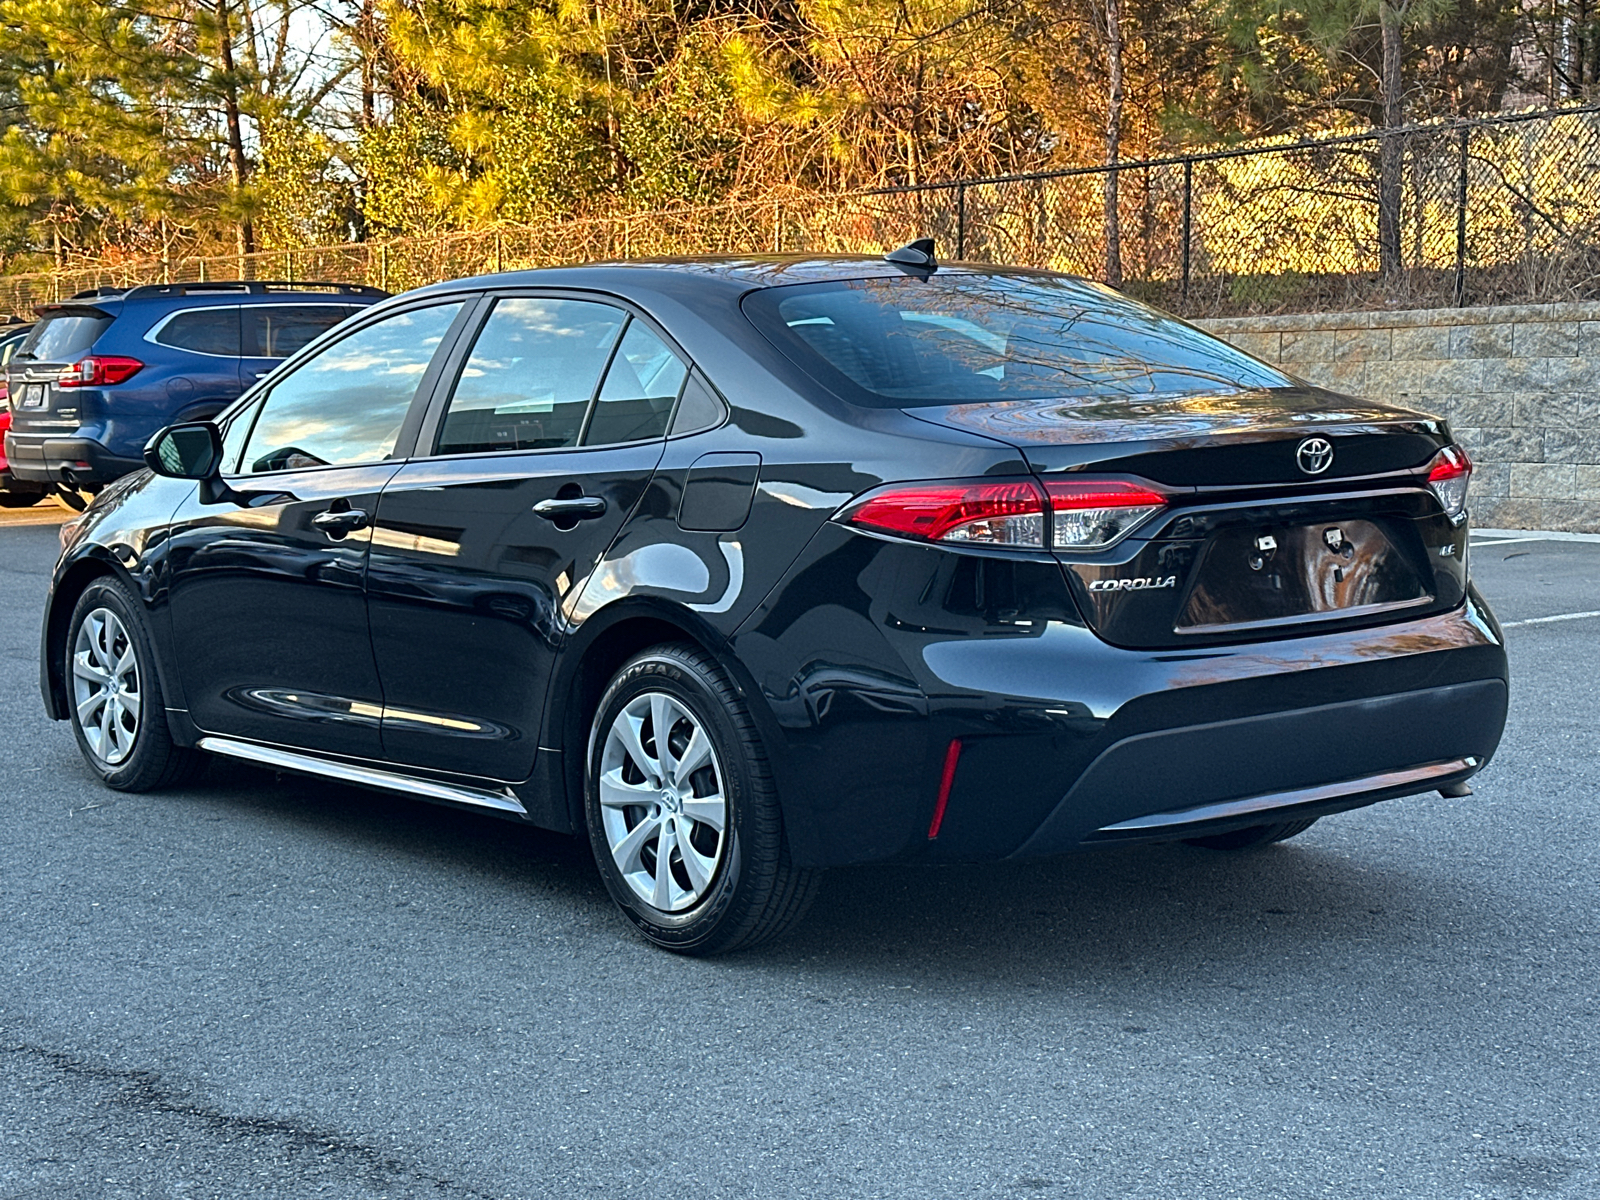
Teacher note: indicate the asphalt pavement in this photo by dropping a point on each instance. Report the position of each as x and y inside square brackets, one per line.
[272, 987]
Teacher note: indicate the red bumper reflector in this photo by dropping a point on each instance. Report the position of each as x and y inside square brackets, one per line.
[951, 757]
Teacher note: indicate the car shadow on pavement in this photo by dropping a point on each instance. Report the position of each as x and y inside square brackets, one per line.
[1158, 909]
[1107, 914]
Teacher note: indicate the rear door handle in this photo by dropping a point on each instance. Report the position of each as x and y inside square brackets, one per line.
[337, 522]
[580, 508]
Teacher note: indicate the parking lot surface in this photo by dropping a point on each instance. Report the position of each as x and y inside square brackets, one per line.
[277, 987]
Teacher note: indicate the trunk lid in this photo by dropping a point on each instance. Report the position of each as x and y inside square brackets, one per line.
[1288, 510]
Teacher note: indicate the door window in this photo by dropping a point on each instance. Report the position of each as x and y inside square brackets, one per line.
[531, 376]
[278, 330]
[642, 385]
[202, 331]
[346, 404]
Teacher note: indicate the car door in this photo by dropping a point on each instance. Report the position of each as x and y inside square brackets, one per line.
[272, 332]
[542, 444]
[268, 613]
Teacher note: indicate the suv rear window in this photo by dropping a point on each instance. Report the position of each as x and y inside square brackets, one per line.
[904, 341]
[65, 337]
[204, 331]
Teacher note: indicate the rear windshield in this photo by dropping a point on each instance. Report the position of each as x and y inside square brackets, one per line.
[63, 338]
[906, 341]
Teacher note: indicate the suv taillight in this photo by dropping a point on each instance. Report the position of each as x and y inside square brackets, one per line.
[1079, 515]
[1448, 476]
[100, 371]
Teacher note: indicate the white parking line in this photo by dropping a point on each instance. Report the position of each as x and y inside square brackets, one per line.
[1550, 620]
[1533, 535]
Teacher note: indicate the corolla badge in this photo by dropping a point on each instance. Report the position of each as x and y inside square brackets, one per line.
[1315, 455]
[1144, 583]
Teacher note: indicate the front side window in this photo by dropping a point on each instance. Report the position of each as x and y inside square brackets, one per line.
[956, 337]
[530, 378]
[203, 331]
[279, 330]
[346, 404]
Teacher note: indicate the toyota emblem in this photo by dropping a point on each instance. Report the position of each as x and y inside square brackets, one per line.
[1315, 455]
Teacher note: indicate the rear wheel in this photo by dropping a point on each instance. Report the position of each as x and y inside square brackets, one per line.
[117, 710]
[682, 812]
[20, 499]
[1254, 836]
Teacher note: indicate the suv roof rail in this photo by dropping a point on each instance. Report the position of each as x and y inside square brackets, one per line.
[254, 287]
[95, 293]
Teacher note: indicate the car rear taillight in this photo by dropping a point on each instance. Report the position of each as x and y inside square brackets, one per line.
[1078, 515]
[1448, 475]
[1094, 514]
[1009, 513]
[100, 371]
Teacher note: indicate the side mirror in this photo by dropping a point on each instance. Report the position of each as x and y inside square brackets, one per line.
[192, 450]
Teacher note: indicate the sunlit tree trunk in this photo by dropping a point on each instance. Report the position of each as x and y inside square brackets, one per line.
[1113, 139]
[238, 166]
[1391, 148]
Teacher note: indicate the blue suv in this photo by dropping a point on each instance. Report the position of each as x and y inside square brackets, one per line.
[102, 372]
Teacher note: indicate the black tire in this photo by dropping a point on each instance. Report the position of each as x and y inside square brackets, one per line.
[74, 499]
[152, 760]
[20, 499]
[755, 892]
[1254, 837]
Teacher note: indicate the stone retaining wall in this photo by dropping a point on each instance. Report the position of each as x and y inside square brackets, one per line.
[1519, 385]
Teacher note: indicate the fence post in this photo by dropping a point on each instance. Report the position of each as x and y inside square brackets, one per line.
[1188, 218]
[777, 226]
[961, 221]
[202, 270]
[1461, 224]
[383, 266]
[499, 253]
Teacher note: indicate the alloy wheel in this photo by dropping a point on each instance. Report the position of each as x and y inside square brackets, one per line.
[105, 686]
[662, 802]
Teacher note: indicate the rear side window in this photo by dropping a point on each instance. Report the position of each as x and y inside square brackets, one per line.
[279, 330]
[531, 375]
[641, 387]
[904, 341]
[202, 331]
[345, 405]
[64, 338]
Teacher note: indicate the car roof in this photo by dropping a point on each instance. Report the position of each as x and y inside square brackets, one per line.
[219, 292]
[735, 272]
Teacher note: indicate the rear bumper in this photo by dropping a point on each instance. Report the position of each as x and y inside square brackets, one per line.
[1278, 766]
[46, 458]
[1067, 743]
[1199, 744]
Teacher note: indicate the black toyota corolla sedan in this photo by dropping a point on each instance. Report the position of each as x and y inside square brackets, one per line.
[745, 568]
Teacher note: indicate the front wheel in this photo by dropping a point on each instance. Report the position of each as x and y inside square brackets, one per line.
[118, 714]
[682, 811]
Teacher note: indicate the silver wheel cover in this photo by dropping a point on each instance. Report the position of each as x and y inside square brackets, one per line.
[105, 686]
[661, 802]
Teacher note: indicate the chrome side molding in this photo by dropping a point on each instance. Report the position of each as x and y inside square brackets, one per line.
[376, 777]
[1419, 777]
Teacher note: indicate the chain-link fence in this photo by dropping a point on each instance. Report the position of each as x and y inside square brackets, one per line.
[1498, 210]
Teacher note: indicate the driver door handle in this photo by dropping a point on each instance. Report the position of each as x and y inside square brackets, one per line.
[580, 508]
[337, 522]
